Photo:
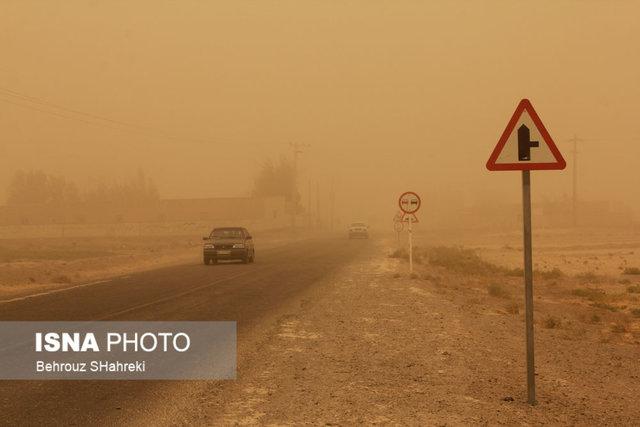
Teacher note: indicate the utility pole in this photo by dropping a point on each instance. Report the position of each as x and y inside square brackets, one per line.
[296, 148]
[317, 204]
[309, 206]
[333, 202]
[574, 195]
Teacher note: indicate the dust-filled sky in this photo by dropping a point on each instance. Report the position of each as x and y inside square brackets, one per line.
[389, 95]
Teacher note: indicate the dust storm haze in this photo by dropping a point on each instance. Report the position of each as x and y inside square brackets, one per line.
[385, 96]
[230, 171]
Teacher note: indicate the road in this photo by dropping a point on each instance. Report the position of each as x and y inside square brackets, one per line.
[249, 294]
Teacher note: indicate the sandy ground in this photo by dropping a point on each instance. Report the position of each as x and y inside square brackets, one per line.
[599, 251]
[369, 343]
[374, 345]
[33, 265]
[37, 265]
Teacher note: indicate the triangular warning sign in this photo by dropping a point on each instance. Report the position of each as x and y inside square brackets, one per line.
[525, 144]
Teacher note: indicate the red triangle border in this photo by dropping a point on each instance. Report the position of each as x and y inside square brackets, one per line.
[560, 163]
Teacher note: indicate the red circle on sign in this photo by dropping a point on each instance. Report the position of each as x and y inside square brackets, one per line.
[409, 209]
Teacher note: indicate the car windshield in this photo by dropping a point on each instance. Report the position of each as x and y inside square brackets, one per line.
[226, 233]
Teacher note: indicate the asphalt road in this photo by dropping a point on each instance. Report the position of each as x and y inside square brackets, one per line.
[244, 293]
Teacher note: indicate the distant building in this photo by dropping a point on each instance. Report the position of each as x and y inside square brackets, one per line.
[209, 210]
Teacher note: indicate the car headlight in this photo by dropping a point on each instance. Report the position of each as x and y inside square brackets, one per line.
[238, 245]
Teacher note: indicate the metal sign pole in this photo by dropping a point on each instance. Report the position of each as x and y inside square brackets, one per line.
[409, 203]
[410, 246]
[528, 284]
[539, 154]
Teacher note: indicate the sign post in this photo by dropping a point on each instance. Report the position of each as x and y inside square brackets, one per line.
[528, 284]
[410, 231]
[409, 203]
[398, 226]
[517, 151]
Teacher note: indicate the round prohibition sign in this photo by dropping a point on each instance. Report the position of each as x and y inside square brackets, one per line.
[409, 202]
[398, 226]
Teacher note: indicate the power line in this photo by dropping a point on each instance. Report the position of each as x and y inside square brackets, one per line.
[68, 117]
[296, 148]
[47, 107]
[53, 113]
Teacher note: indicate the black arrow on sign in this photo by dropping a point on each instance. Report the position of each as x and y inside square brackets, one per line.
[525, 144]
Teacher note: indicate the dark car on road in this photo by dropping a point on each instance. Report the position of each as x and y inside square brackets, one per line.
[228, 243]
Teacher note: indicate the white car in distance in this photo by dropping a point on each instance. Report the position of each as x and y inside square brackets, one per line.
[358, 230]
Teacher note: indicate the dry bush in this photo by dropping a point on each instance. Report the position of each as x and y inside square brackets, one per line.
[497, 290]
[512, 308]
[514, 272]
[592, 294]
[551, 322]
[462, 260]
[590, 277]
[619, 328]
[419, 254]
[62, 279]
[631, 270]
[24, 251]
[635, 312]
[605, 306]
[634, 289]
[555, 273]
[399, 253]
[437, 280]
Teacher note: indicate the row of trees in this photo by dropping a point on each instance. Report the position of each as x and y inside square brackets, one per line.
[278, 179]
[38, 187]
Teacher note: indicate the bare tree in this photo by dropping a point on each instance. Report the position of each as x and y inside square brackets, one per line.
[277, 179]
[37, 187]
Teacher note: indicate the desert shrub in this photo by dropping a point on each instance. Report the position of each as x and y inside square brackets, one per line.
[631, 270]
[418, 255]
[635, 312]
[555, 273]
[62, 279]
[399, 253]
[497, 290]
[605, 306]
[595, 318]
[591, 294]
[624, 281]
[589, 277]
[514, 272]
[619, 328]
[26, 253]
[634, 289]
[551, 322]
[462, 260]
[512, 308]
